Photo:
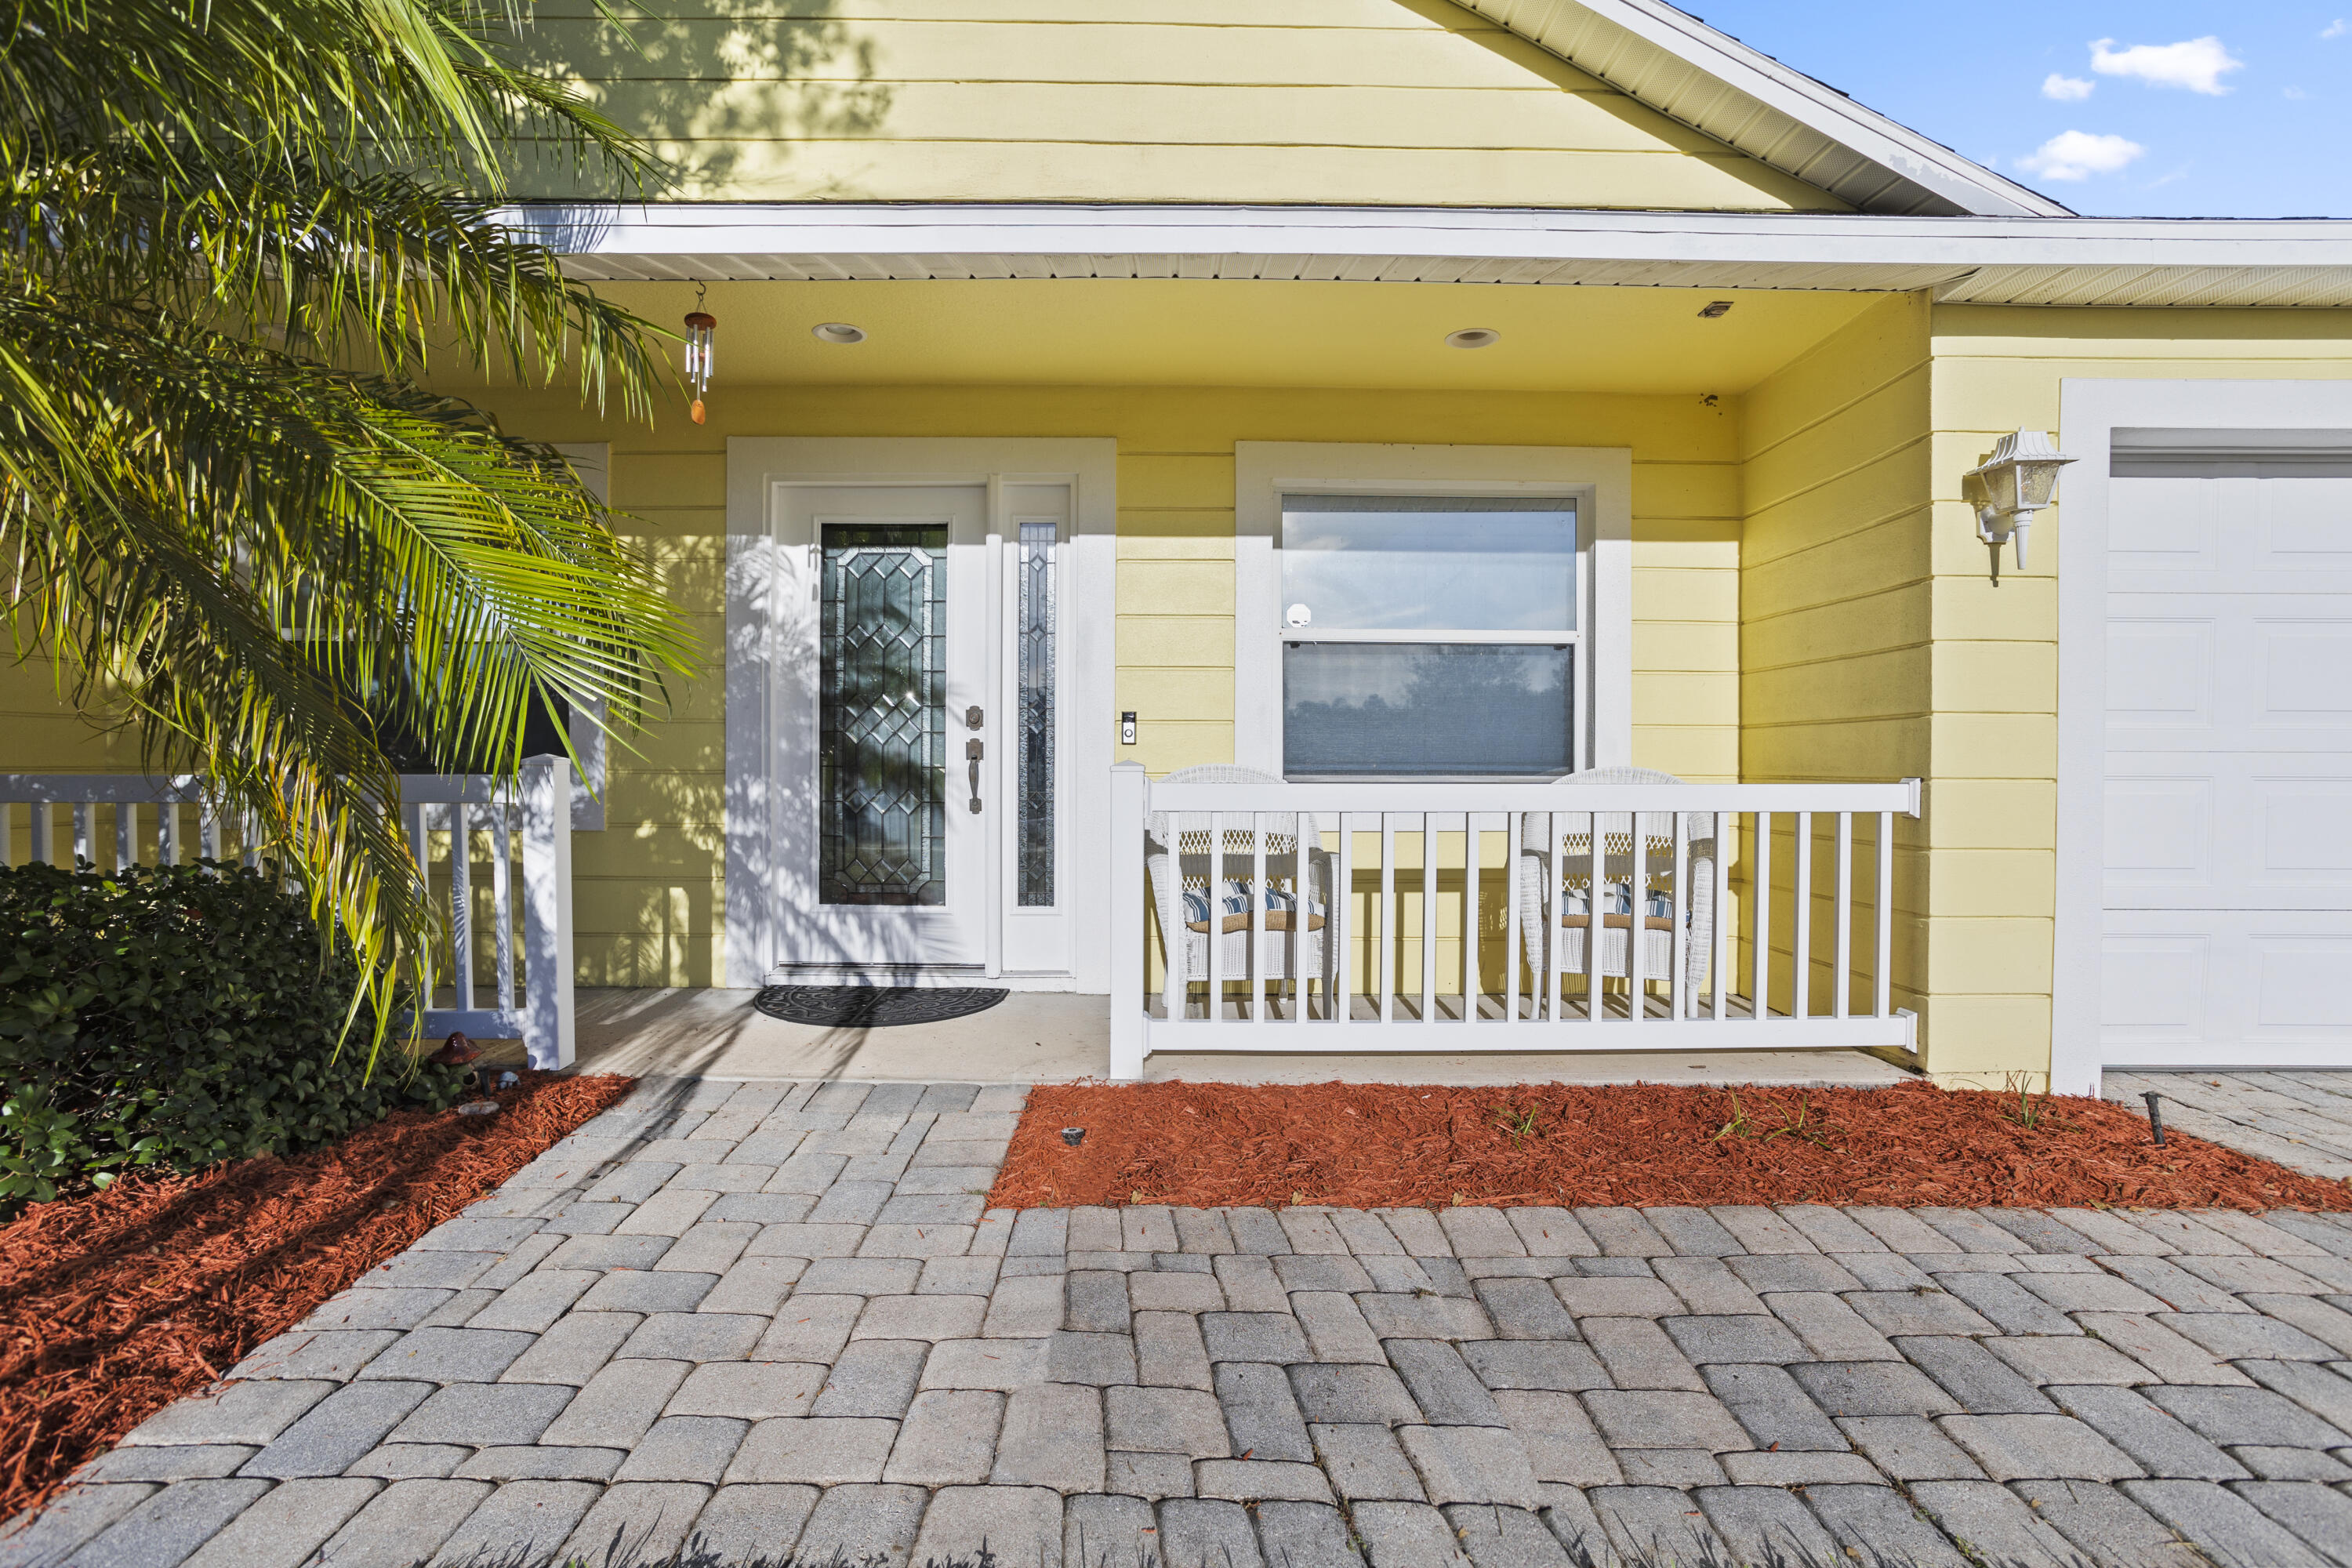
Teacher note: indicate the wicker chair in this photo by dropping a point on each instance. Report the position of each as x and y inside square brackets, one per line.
[1177, 857]
[1569, 832]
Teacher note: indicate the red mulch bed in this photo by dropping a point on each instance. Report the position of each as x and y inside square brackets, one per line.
[112, 1305]
[1365, 1145]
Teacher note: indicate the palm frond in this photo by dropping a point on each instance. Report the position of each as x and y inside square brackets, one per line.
[242, 233]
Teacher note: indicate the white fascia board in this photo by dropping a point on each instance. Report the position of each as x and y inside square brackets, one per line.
[1963, 244]
[1789, 93]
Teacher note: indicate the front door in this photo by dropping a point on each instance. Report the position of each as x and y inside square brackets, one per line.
[898, 781]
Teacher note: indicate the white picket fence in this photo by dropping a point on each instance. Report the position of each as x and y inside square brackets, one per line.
[519, 838]
[1784, 965]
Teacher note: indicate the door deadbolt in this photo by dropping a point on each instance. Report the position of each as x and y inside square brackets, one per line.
[974, 718]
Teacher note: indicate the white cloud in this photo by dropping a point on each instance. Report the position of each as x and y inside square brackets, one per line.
[2293, 92]
[2078, 154]
[2066, 88]
[2335, 29]
[2198, 63]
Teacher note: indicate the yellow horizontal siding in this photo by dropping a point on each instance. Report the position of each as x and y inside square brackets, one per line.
[659, 861]
[1314, 100]
[1995, 665]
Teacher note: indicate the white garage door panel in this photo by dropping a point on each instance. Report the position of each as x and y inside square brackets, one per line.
[2195, 988]
[2192, 830]
[2228, 930]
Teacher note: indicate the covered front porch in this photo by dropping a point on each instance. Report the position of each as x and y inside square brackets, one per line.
[1049, 1036]
[989, 577]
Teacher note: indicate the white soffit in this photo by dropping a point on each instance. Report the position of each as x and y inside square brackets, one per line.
[2018, 260]
[1712, 82]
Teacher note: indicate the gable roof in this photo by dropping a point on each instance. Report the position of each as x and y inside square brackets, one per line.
[1712, 82]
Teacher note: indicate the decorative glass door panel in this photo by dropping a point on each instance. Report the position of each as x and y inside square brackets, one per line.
[882, 720]
[887, 732]
[1037, 697]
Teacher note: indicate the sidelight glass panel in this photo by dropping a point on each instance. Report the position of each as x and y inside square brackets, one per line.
[1393, 710]
[1428, 563]
[882, 717]
[1034, 742]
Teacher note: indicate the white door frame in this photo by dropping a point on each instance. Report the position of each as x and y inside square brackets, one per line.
[2090, 412]
[763, 632]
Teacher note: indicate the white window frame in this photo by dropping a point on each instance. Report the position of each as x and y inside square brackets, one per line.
[1598, 479]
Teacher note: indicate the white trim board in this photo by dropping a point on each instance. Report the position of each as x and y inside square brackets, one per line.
[759, 629]
[1980, 261]
[1688, 71]
[1600, 480]
[2090, 414]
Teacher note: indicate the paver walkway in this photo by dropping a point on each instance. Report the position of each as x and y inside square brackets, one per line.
[2302, 1119]
[774, 1316]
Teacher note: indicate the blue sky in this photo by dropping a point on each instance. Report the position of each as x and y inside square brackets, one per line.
[2149, 107]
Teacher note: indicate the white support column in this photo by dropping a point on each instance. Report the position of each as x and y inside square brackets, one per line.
[461, 901]
[502, 900]
[44, 824]
[84, 847]
[1130, 798]
[547, 911]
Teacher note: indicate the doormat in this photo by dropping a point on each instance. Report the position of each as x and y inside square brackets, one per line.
[873, 1007]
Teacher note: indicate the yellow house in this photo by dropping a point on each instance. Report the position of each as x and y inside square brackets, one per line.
[1412, 403]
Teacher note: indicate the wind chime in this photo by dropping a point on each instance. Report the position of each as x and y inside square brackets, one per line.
[700, 325]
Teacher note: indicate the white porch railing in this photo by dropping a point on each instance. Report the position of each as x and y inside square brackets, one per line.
[1685, 965]
[488, 830]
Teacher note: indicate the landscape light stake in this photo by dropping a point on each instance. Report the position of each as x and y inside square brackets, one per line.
[2155, 1115]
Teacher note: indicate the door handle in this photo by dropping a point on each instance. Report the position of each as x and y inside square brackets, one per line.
[972, 751]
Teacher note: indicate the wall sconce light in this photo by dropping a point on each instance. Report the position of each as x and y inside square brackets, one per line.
[2006, 488]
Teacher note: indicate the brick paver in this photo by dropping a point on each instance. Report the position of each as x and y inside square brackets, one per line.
[776, 1318]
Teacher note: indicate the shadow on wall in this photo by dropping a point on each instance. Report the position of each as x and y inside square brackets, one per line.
[704, 88]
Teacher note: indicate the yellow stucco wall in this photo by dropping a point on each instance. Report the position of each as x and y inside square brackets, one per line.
[1411, 101]
[650, 889]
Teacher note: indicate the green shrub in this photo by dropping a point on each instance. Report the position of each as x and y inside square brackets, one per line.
[175, 1017]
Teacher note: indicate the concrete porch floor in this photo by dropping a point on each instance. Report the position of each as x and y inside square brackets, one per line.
[1035, 1036]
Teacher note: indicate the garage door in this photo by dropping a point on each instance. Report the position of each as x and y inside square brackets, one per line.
[2227, 937]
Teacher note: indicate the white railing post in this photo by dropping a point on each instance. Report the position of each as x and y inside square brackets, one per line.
[1129, 799]
[1841, 969]
[1339, 927]
[1883, 978]
[547, 911]
[503, 901]
[1470, 993]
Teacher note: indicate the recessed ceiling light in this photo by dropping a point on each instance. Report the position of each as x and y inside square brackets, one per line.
[838, 333]
[1715, 309]
[1472, 338]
